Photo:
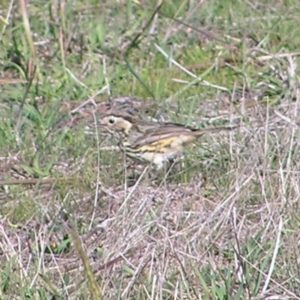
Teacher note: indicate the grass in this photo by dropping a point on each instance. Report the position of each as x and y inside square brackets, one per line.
[81, 222]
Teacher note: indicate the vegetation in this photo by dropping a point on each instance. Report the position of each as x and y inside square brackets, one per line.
[78, 220]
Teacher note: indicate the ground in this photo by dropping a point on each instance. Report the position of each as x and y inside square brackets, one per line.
[80, 221]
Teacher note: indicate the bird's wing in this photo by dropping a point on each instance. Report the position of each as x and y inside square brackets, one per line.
[164, 131]
[169, 130]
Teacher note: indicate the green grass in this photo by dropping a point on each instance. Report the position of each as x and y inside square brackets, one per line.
[80, 222]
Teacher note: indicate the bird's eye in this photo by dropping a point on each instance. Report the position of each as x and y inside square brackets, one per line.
[111, 121]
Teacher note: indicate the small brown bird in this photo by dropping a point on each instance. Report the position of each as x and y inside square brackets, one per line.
[152, 142]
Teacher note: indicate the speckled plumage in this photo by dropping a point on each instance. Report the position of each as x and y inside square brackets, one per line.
[152, 142]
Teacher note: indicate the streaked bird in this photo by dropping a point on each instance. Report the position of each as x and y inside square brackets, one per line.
[152, 142]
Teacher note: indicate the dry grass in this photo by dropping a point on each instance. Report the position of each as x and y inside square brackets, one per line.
[80, 222]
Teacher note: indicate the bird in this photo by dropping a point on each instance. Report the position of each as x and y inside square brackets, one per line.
[152, 142]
